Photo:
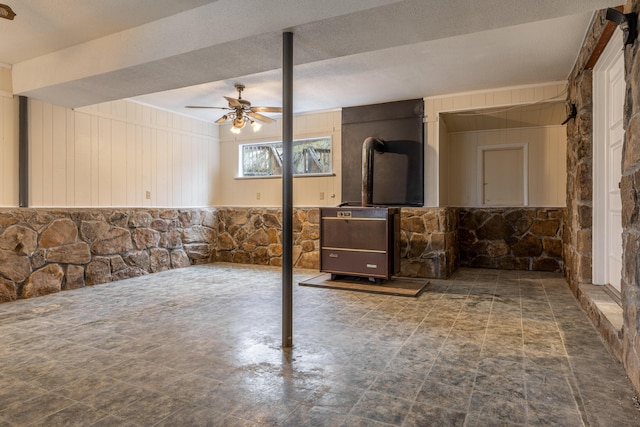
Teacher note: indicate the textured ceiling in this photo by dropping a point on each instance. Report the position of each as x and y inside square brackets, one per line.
[172, 53]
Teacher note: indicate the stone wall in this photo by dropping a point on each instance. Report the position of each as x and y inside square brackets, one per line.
[511, 238]
[254, 236]
[48, 250]
[578, 216]
[428, 242]
[630, 192]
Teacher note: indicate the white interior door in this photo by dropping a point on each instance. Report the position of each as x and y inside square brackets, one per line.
[503, 175]
[609, 97]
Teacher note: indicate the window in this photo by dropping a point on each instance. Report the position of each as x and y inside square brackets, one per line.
[310, 157]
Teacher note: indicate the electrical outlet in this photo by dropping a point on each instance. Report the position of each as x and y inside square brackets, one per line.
[148, 194]
[322, 195]
[257, 196]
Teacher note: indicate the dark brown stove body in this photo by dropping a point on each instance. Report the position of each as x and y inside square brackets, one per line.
[358, 241]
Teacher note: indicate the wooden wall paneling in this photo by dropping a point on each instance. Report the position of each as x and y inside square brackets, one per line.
[82, 159]
[4, 149]
[94, 192]
[118, 166]
[110, 154]
[153, 165]
[561, 141]
[443, 163]
[130, 162]
[162, 170]
[105, 158]
[547, 180]
[187, 169]
[537, 167]
[5, 127]
[198, 176]
[176, 169]
[47, 154]
[58, 156]
[146, 162]
[70, 166]
[138, 186]
[172, 139]
[35, 153]
[8, 151]
[6, 86]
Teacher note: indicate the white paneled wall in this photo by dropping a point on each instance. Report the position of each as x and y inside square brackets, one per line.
[5, 80]
[547, 149]
[306, 190]
[8, 151]
[434, 173]
[8, 140]
[120, 154]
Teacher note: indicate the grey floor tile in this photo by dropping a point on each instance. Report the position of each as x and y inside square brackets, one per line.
[34, 409]
[382, 408]
[112, 421]
[442, 395]
[499, 408]
[75, 415]
[194, 416]
[426, 415]
[338, 398]
[542, 414]
[202, 346]
[151, 409]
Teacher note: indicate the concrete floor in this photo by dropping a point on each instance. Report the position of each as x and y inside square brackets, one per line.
[201, 346]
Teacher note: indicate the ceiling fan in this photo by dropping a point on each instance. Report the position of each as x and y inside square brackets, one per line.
[241, 112]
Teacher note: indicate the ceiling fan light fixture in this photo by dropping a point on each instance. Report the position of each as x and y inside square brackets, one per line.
[241, 112]
[239, 122]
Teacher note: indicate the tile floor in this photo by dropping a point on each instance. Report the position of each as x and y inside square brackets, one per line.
[201, 346]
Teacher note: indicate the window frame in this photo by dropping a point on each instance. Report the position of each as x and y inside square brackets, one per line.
[241, 146]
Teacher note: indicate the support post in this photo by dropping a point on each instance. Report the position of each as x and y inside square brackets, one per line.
[23, 152]
[287, 190]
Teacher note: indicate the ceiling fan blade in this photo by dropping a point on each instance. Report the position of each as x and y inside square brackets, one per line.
[223, 119]
[266, 109]
[260, 117]
[237, 103]
[202, 106]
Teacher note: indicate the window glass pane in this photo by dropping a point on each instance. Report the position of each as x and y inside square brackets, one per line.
[310, 156]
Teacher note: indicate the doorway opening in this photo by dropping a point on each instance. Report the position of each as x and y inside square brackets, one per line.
[608, 132]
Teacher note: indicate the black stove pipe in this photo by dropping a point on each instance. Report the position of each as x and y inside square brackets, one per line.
[369, 147]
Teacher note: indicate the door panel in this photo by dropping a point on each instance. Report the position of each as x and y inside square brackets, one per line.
[609, 100]
[614, 172]
[503, 177]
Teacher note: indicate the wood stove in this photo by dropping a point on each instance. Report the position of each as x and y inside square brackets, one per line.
[360, 241]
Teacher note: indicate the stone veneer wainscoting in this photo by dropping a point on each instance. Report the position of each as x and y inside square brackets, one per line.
[511, 238]
[428, 242]
[252, 236]
[48, 250]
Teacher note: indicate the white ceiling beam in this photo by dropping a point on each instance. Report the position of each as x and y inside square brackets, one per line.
[230, 38]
